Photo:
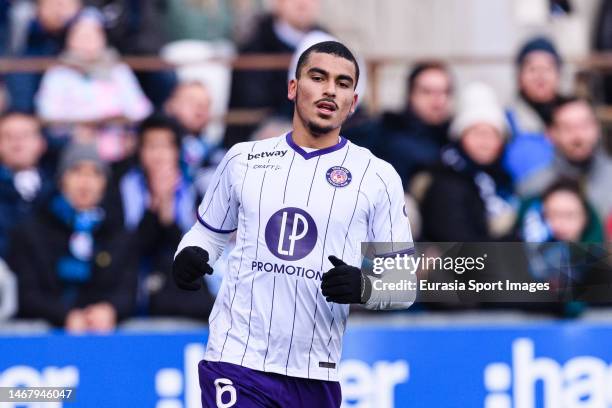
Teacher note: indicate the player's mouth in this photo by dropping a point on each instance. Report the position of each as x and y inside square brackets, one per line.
[326, 108]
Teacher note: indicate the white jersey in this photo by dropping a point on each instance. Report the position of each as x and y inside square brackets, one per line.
[292, 210]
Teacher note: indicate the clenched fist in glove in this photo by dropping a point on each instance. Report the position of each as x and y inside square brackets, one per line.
[189, 266]
[345, 284]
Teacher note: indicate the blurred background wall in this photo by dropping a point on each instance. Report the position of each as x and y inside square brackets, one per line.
[413, 29]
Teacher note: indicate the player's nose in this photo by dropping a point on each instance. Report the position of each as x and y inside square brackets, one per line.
[330, 89]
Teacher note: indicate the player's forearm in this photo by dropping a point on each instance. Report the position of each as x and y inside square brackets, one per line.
[385, 299]
[386, 304]
[210, 241]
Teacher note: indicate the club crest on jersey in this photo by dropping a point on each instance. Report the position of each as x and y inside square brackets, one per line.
[338, 176]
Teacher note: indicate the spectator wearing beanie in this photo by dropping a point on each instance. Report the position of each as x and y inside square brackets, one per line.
[539, 71]
[470, 197]
[73, 266]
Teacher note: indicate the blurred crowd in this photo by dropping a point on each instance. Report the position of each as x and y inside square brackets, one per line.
[102, 168]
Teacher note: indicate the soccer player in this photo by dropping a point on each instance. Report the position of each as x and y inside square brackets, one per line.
[302, 203]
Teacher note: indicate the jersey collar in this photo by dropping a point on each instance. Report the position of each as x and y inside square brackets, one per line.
[309, 155]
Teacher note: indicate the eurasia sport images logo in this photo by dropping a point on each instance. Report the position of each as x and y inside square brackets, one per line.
[291, 234]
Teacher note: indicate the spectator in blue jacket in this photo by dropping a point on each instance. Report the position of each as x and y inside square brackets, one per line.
[539, 72]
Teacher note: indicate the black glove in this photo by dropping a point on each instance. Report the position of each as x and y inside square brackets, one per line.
[344, 283]
[189, 266]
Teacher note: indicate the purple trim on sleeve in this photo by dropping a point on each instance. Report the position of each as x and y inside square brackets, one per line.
[213, 229]
[309, 155]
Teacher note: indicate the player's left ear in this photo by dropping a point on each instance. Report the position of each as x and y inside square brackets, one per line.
[354, 104]
[292, 89]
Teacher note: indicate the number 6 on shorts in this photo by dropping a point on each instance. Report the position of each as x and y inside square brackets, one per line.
[225, 386]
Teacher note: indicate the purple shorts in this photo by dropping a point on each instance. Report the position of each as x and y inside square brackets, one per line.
[226, 385]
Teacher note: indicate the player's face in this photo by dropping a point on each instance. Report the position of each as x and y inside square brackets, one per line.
[83, 185]
[324, 94]
[565, 215]
[575, 131]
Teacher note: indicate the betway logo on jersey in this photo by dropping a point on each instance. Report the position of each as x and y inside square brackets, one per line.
[263, 155]
[582, 381]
